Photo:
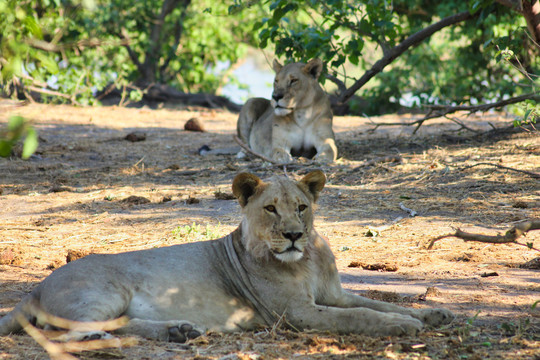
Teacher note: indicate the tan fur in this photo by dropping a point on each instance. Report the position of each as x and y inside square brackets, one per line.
[296, 121]
[274, 264]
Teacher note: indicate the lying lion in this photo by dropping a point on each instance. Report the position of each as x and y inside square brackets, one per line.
[274, 264]
[296, 121]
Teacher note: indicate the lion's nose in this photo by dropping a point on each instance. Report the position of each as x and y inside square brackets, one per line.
[277, 96]
[293, 236]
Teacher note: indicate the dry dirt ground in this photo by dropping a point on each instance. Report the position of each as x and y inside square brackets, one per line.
[74, 195]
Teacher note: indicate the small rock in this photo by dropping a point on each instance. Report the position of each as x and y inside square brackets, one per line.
[224, 196]
[73, 255]
[191, 200]
[135, 136]
[194, 124]
[136, 200]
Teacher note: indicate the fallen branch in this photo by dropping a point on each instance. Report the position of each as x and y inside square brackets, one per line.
[510, 236]
[379, 160]
[530, 173]
[437, 111]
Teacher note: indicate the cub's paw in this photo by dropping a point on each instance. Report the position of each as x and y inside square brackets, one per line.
[435, 317]
[183, 332]
[281, 156]
[397, 325]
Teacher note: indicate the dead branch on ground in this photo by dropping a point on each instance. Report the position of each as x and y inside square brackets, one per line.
[379, 160]
[530, 173]
[510, 237]
[436, 111]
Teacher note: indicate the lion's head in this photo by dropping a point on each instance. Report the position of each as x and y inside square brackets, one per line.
[278, 214]
[296, 85]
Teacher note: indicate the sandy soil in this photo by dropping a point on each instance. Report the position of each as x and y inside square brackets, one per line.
[74, 195]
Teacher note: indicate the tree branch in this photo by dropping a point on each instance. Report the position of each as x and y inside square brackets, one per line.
[530, 173]
[509, 237]
[399, 49]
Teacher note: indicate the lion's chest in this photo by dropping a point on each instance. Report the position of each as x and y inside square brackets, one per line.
[301, 135]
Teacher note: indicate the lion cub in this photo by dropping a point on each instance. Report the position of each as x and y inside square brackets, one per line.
[297, 121]
[274, 264]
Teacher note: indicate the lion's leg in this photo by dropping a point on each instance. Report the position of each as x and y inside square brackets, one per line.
[433, 317]
[352, 320]
[326, 150]
[171, 330]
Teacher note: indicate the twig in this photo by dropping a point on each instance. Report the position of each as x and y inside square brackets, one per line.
[509, 237]
[530, 173]
[460, 123]
[379, 160]
[411, 212]
[53, 93]
[260, 156]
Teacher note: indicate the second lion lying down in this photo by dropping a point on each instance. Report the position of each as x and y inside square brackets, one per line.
[273, 264]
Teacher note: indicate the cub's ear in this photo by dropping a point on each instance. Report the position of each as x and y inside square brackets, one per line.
[277, 66]
[314, 68]
[244, 186]
[313, 183]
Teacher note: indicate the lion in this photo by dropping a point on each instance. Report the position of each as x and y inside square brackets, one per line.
[297, 121]
[273, 265]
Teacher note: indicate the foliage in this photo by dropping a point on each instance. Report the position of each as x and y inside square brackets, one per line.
[457, 65]
[76, 48]
[18, 128]
[195, 232]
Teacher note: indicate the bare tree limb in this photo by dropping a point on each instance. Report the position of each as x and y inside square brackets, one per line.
[53, 93]
[510, 236]
[530, 173]
[399, 49]
[132, 54]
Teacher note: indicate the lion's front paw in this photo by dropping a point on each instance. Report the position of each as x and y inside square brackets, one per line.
[324, 157]
[397, 325]
[281, 156]
[183, 332]
[435, 317]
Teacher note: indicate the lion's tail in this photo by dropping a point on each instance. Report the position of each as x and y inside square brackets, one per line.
[10, 324]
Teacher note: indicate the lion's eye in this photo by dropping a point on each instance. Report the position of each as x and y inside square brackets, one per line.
[293, 81]
[302, 207]
[270, 208]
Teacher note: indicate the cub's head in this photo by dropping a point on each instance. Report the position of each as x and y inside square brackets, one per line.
[278, 214]
[296, 85]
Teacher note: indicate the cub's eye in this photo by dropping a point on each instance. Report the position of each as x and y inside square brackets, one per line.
[270, 208]
[302, 207]
[293, 81]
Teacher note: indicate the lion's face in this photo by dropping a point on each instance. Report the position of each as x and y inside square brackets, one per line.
[294, 86]
[278, 215]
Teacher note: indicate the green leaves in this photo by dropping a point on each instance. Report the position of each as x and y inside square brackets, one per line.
[17, 129]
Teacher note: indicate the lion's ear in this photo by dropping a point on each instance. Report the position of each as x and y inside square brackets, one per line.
[277, 66]
[314, 183]
[314, 68]
[244, 185]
